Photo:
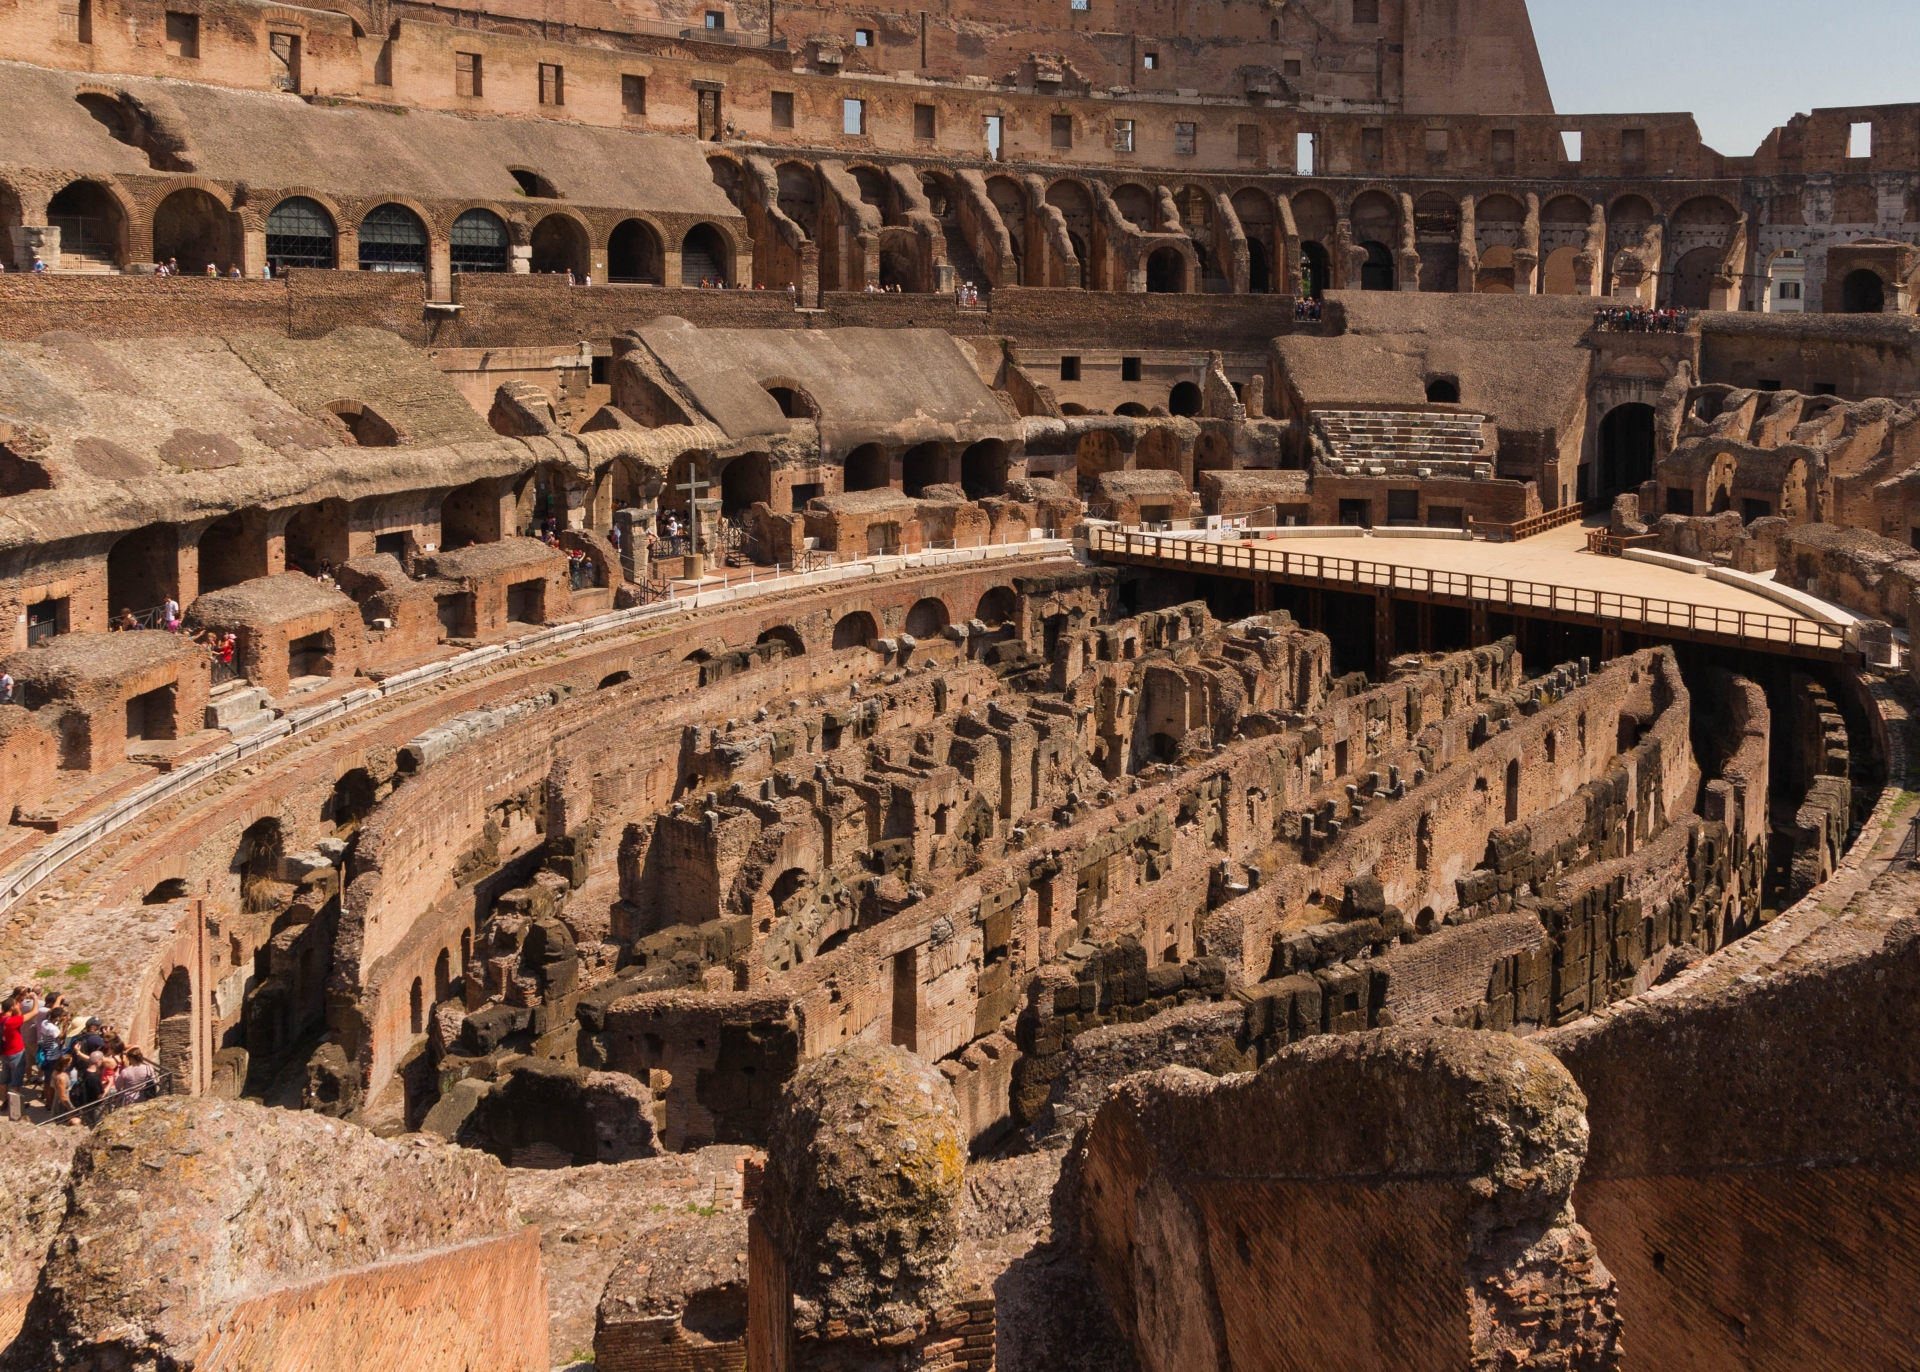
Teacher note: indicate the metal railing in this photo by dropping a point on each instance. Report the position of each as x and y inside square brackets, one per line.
[1751, 627]
[96, 1110]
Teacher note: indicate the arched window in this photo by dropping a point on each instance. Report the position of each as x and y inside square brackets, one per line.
[633, 253]
[299, 234]
[392, 239]
[703, 256]
[479, 242]
[1184, 399]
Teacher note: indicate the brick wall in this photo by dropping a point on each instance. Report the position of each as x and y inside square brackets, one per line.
[477, 1305]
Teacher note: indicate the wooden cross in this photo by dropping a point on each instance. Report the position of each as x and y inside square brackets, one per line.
[693, 485]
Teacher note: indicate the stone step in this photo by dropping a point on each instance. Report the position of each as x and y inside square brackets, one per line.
[240, 712]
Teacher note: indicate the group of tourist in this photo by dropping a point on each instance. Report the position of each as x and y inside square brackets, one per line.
[220, 647]
[1639, 319]
[883, 290]
[171, 267]
[76, 1065]
[1307, 311]
[967, 296]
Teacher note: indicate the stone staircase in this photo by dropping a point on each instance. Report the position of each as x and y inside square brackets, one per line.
[1402, 443]
[238, 707]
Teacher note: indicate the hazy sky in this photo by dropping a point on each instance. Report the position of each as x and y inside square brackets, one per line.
[1741, 66]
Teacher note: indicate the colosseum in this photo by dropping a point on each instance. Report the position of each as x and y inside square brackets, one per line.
[838, 689]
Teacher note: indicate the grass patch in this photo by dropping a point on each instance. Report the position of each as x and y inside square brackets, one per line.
[80, 969]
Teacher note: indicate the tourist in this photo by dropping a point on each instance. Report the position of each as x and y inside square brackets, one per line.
[6, 688]
[235, 274]
[127, 621]
[57, 1089]
[212, 271]
[173, 266]
[13, 1047]
[570, 276]
[613, 537]
[170, 615]
[266, 272]
[138, 1076]
[39, 266]
[48, 1034]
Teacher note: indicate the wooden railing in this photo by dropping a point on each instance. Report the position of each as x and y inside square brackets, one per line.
[1750, 628]
[1603, 544]
[1527, 528]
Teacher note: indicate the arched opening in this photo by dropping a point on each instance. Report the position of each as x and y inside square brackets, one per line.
[416, 1008]
[1132, 409]
[998, 606]
[1557, 272]
[392, 239]
[1259, 280]
[1863, 292]
[1316, 271]
[793, 402]
[1096, 454]
[1513, 790]
[1212, 452]
[703, 256]
[856, 630]
[143, 569]
[789, 884]
[259, 861]
[922, 466]
[560, 245]
[634, 255]
[533, 184]
[1376, 273]
[470, 514]
[1693, 279]
[442, 976]
[352, 799]
[867, 469]
[785, 637]
[612, 679]
[1626, 448]
[898, 268]
[1184, 399]
[317, 533]
[1443, 390]
[743, 481]
[230, 553]
[927, 618]
[300, 233]
[1166, 271]
[173, 1036]
[1423, 844]
[479, 242]
[365, 425]
[172, 889]
[92, 225]
[983, 469]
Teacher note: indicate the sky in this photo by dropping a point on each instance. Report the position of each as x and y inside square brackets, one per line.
[1741, 67]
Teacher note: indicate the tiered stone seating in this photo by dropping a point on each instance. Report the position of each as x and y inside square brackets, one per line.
[1399, 443]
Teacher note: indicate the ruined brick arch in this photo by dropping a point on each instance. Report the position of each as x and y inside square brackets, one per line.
[983, 469]
[1136, 205]
[998, 605]
[1010, 200]
[900, 260]
[1260, 221]
[562, 241]
[855, 629]
[867, 468]
[706, 250]
[12, 215]
[195, 227]
[795, 400]
[799, 194]
[928, 617]
[1173, 268]
[379, 250]
[636, 251]
[104, 213]
[788, 637]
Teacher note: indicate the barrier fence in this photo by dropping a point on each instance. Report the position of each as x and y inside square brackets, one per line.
[1751, 628]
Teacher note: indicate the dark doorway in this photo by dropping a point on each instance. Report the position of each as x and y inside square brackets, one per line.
[1166, 272]
[867, 469]
[983, 469]
[1184, 399]
[1443, 390]
[921, 467]
[1316, 270]
[1863, 292]
[633, 254]
[1376, 274]
[1259, 279]
[1626, 448]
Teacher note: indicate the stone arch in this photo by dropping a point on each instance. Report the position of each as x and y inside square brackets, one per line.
[1255, 210]
[983, 469]
[795, 401]
[470, 514]
[1496, 273]
[867, 468]
[1158, 450]
[1097, 453]
[928, 617]
[1443, 390]
[194, 227]
[798, 184]
[724, 168]
[1184, 399]
[1692, 279]
[479, 240]
[302, 231]
[855, 630]
[1136, 205]
[560, 244]
[1316, 270]
[393, 238]
[93, 218]
[634, 253]
[706, 253]
[786, 636]
[1167, 271]
[1377, 272]
[1212, 452]
[1557, 275]
[1375, 214]
[900, 260]
[998, 605]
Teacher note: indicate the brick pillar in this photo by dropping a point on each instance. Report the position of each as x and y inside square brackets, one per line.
[1480, 632]
[1382, 633]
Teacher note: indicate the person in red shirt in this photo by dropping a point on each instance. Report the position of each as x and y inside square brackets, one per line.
[13, 1045]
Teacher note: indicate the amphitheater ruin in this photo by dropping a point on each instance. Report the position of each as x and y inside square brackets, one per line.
[823, 688]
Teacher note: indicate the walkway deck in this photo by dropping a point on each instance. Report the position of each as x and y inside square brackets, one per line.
[1551, 576]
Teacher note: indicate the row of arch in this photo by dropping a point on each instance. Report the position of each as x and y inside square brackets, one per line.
[195, 227]
[926, 618]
